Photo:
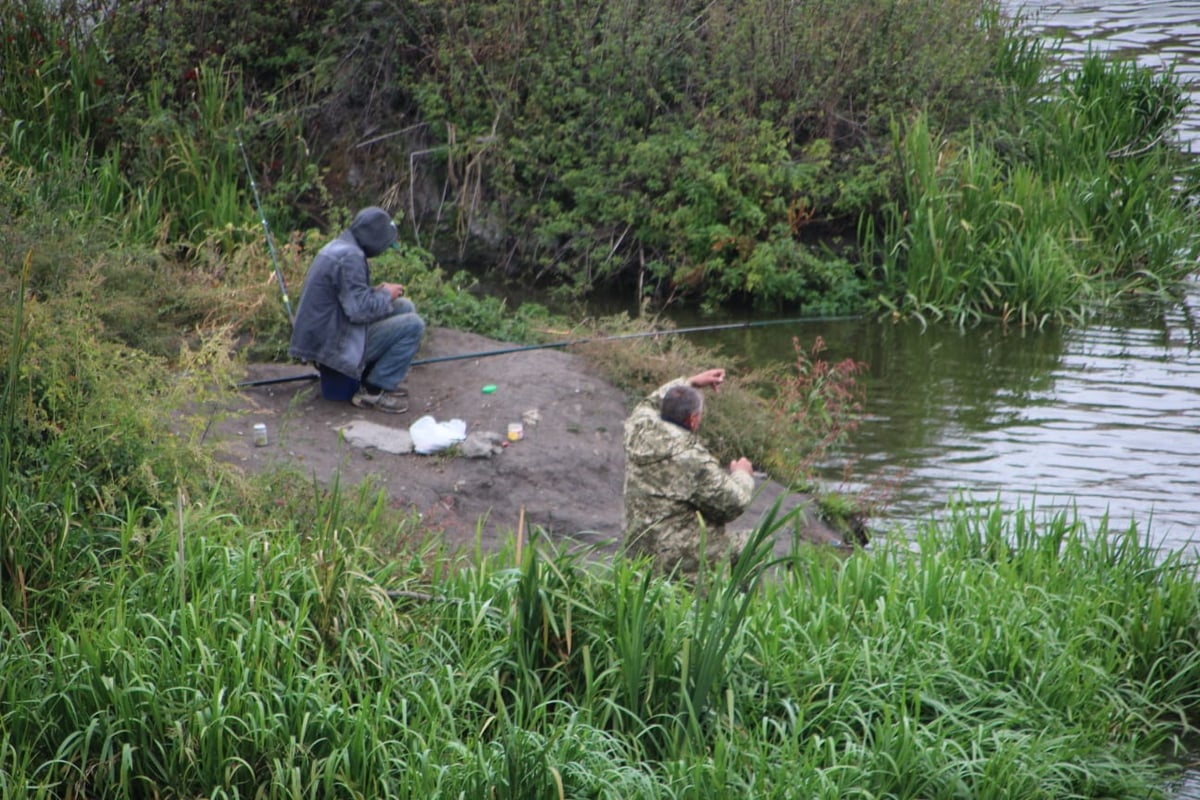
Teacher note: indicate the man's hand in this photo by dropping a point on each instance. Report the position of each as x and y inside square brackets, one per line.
[742, 465]
[394, 289]
[710, 377]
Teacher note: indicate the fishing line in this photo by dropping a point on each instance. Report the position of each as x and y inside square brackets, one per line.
[565, 343]
[615, 338]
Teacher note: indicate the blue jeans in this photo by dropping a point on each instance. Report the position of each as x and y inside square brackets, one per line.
[391, 344]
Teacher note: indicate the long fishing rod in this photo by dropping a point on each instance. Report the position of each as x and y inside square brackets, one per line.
[565, 343]
[615, 338]
[287, 304]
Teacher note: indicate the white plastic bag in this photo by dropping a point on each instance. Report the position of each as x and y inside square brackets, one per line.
[430, 436]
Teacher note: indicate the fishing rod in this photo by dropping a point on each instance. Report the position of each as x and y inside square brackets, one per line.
[287, 304]
[564, 343]
[615, 338]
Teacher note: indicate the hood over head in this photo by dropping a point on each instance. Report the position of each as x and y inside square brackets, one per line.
[374, 230]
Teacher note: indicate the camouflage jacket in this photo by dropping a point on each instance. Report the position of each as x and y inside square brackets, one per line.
[675, 489]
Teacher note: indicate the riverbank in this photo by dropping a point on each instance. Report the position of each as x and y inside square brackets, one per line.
[565, 476]
[238, 643]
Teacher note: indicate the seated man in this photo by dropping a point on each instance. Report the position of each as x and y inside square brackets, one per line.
[369, 333]
[675, 490]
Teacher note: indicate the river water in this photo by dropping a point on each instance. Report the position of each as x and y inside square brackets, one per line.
[1103, 420]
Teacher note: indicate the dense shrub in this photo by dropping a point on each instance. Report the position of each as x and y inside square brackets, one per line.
[708, 150]
[700, 153]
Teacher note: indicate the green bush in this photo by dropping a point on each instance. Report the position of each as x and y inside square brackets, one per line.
[695, 150]
[95, 447]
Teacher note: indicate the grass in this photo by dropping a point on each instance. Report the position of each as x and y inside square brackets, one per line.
[1087, 203]
[1006, 656]
[166, 628]
[193, 634]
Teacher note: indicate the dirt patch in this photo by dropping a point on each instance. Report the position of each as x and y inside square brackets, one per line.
[565, 476]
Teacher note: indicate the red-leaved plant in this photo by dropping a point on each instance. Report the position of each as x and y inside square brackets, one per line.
[819, 405]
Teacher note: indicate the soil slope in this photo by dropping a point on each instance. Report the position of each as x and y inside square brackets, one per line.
[565, 476]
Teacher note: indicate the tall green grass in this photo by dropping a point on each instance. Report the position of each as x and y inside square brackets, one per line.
[1085, 204]
[158, 160]
[998, 655]
[187, 179]
[53, 92]
[15, 341]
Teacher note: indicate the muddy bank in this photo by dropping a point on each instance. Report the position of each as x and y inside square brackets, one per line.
[565, 476]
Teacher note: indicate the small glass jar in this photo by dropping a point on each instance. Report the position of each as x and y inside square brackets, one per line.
[260, 435]
[516, 431]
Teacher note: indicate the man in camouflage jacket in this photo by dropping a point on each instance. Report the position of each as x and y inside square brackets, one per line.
[676, 492]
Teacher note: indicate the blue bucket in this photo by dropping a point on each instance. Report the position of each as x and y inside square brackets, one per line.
[335, 385]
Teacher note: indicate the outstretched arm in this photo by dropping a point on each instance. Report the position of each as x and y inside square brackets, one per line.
[710, 377]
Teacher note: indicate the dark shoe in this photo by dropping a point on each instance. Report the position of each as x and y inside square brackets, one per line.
[371, 388]
[391, 402]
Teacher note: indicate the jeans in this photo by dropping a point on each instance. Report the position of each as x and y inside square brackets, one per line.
[391, 344]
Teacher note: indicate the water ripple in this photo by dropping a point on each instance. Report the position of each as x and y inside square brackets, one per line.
[1107, 424]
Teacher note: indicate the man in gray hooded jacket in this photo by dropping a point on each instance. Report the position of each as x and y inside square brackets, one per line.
[346, 324]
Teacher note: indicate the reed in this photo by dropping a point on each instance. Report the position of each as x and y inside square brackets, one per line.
[12, 555]
[54, 84]
[180, 180]
[1083, 208]
[1000, 654]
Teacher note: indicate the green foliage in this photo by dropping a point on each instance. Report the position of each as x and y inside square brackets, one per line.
[244, 644]
[1005, 654]
[818, 403]
[182, 173]
[1089, 209]
[1021, 62]
[87, 462]
[15, 343]
[456, 301]
[273, 42]
[81, 418]
[55, 92]
[1111, 146]
[690, 152]
[137, 295]
[786, 419]
[971, 238]
[713, 211]
[449, 300]
[145, 139]
[695, 150]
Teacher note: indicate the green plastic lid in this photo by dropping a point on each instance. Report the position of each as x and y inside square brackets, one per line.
[491, 387]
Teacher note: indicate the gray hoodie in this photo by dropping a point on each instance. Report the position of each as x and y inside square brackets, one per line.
[338, 300]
